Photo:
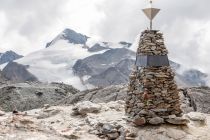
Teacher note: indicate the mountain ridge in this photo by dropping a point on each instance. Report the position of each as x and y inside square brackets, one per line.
[9, 56]
[85, 65]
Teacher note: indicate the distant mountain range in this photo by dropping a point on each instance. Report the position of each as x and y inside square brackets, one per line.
[77, 59]
[8, 57]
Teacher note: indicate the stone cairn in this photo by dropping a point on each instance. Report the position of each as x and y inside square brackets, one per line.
[152, 96]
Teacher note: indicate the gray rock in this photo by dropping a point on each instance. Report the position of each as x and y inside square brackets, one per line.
[156, 121]
[106, 128]
[86, 107]
[140, 121]
[113, 136]
[178, 121]
[199, 98]
[196, 116]
[48, 113]
[98, 95]
[2, 113]
[97, 47]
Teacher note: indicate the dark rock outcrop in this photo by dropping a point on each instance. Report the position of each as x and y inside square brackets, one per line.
[3, 80]
[97, 47]
[8, 57]
[98, 63]
[18, 73]
[104, 68]
[114, 75]
[199, 98]
[125, 44]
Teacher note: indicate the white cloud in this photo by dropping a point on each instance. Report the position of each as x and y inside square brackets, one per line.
[27, 25]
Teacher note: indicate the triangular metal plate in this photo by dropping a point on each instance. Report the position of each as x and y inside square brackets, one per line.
[151, 12]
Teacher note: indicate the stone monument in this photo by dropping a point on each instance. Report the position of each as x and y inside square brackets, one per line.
[152, 96]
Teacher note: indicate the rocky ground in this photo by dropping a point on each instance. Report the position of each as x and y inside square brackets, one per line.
[91, 115]
[27, 96]
[90, 121]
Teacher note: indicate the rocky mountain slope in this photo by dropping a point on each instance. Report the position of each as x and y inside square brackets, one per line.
[3, 80]
[17, 73]
[79, 60]
[8, 57]
[26, 96]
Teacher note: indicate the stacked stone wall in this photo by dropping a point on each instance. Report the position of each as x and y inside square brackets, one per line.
[153, 95]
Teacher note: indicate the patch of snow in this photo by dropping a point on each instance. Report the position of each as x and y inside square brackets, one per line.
[54, 64]
[91, 42]
[115, 45]
[2, 66]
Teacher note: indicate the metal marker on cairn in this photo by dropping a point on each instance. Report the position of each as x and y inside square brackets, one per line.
[152, 96]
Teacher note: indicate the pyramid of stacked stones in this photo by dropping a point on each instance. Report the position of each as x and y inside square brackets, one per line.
[152, 96]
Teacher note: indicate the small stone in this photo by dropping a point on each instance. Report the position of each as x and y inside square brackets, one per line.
[113, 136]
[131, 134]
[159, 110]
[196, 116]
[156, 121]
[178, 121]
[2, 113]
[143, 112]
[153, 48]
[86, 107]
[139, 121]
[129, 138]
[46, 106]
[172, 116]
[71, 136]
[107, 129]
[141, 105]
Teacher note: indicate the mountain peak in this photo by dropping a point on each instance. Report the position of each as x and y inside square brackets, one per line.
[9, 56]
[71, 36]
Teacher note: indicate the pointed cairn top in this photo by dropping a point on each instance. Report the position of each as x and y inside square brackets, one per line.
[151, 13]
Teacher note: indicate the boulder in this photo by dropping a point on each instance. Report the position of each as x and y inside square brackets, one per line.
[139, 121]
[178, 121]
[156, 121]
[196, 116]
[199, 119]
[86, 107]
[2, 113]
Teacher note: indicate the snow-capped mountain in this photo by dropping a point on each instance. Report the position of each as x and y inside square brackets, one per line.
[8, 57]
[70, 36]
[79, 60]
